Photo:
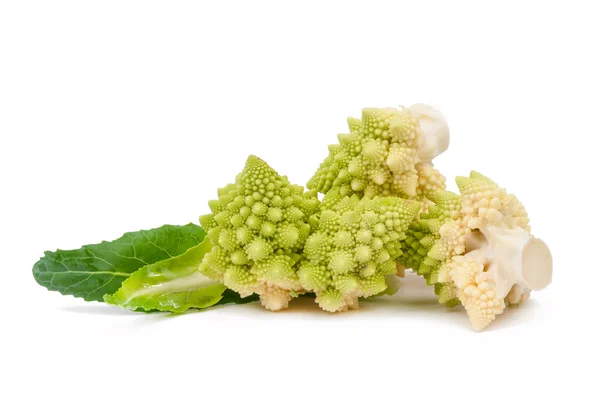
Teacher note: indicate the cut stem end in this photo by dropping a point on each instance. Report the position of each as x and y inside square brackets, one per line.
[537, 264]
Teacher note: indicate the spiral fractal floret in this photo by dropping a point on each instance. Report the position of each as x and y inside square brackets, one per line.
[477, 249]
[353, 248]
[258, 227]
[388, 152]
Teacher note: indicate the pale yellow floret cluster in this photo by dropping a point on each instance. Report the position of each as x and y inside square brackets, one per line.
[482, 201]
[378, 158]
[475, 289]
[442, 245]
[430, 181]
[258, 227]
[517, 295]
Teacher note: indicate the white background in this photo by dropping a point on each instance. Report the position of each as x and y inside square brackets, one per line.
[124, 115]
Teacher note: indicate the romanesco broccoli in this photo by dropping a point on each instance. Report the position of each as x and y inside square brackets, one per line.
[258, 227]
[477, 249]
[387, 153]
[352, 249]
[385, 209]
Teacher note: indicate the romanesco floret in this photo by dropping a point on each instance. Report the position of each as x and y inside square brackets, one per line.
[353, 248]
[387, 153]
[477, 249]
[258, 227]
[423, 233]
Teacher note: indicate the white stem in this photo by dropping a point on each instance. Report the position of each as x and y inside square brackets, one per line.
[435, 136]
[187, 283]
[537, 264]
[514, 257]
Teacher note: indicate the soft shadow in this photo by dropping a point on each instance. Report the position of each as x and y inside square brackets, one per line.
[414, 297]
[100, 310]
[156, 317]
[306, 307]
[514, 317]
[163, 316]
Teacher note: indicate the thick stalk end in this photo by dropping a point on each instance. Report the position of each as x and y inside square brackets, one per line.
[435, 136]
[537, 264]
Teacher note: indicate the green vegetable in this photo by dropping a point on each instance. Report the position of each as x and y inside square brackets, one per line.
[477, 250]
[174, 284]
[388, 152]
[353, 248]
[258, 227]
[95, 270]
[385, 209]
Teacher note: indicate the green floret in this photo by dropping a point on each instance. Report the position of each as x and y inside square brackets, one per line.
[258, 227]
[380, 157]
[423, 234]
[353, 247]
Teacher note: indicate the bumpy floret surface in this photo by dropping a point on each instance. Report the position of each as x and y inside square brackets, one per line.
[353, 248]
[258, 227]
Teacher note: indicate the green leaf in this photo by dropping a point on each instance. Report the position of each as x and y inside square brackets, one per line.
[175, 284]
[232, 297]
[229, 297]
[99, 269]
